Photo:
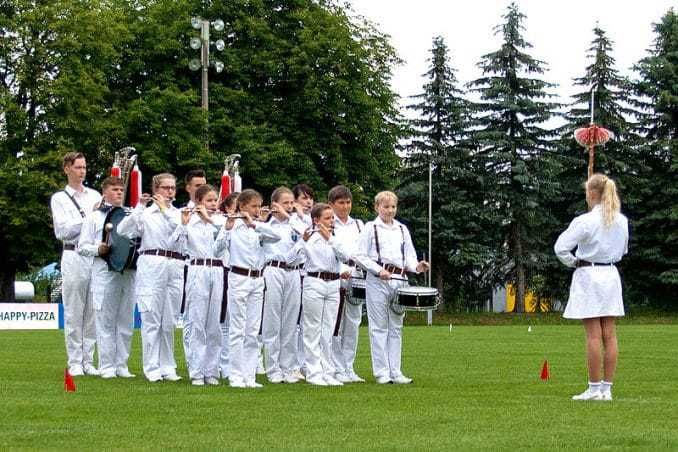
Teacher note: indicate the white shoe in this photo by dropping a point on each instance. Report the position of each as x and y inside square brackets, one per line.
[299, 375]
[383, 380]
[254, 384]
[276, 379]
[261, 370]
[342, 377]
[154, 378]
[290, 379]
[236, 383]
[316, 381]
[90, 370]
[76, 371]
[213, 381]
[401, 380]
[108, 375]
[171, 377]
[355, 378]
[588, 395]
[198, 382]
[606, 396]
[124, 373]
[331, 381]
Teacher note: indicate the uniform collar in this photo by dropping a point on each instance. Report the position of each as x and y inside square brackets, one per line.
[349, 221]
[380, 222]
[275, 220]
[597, 208]
[72, 192]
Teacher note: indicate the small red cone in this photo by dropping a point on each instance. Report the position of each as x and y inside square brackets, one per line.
[545, 371]
[69, 384]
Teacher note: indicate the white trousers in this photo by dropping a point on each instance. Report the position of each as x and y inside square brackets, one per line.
[245, 299]
[281, 311]
[159, 282]
[301, 360]
[345, 343]
[384, 326]
[321, 302]
[79, 323]
[113, 299]
[204, 290]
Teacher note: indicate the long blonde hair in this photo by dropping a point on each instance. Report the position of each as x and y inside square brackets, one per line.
[606, 190]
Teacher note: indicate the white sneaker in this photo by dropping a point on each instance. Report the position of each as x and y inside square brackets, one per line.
[299, 375]
[261, 370]
[236, 383]
[198, 382]
[355, 378]
[154, 378]
[107, 375]
[213, 381]
[276, 379]
[401, 380]
[383, 380]
[331, 381]
[342, 377]
[588, 395]
[291, 379]
[606, 396]
[254, 384]
[76, 371]
[316, 381]
[124, 373]
[171, 377]
[90, 370]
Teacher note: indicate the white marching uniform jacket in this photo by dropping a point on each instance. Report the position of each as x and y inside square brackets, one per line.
[79, 323]
[382, 245]
[345, 341]
[321, 303]
[159, 284]
[245, 295]
[595, 290]
[112, 295]
[204, 292]
[282, 299]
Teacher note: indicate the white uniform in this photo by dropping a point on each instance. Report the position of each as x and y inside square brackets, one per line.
[301, 360]
[321, 303]
[282, 298]
[181, 314]
[223, 319]
[385, 327]
[595, 290]
[245, 295]
[204, 292]
[113, 299]
[345, 341]
[76, 270]
[159, 284]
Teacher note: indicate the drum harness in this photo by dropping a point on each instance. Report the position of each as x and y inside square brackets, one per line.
[70, 246]
[390, 267]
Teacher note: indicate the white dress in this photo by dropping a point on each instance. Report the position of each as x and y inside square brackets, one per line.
[595, 290]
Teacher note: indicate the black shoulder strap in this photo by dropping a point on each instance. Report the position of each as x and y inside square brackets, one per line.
[402, 245]
[376, 242]
[77, 206]
[357, 225]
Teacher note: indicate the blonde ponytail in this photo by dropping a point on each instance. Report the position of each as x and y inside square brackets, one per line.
[607, 192]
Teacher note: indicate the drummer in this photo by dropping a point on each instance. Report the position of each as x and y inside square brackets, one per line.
[387, 253]
[345, 340]
[111, 291]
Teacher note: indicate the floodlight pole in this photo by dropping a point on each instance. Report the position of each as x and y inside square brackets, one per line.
[205, 63]
[429, 315]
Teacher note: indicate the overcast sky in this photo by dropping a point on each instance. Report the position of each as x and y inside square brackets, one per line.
[560, 32]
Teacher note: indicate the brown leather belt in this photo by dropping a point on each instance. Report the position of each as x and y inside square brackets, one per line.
[69, 247]
[247, 272]
[283, 265]
[582, 263]
[164, 253]
[392, 269]
[325, 276]
[208, 262]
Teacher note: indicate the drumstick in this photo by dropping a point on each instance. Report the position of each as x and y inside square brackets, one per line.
[108, 228]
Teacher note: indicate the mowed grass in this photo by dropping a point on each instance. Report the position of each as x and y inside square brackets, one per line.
[476, 387]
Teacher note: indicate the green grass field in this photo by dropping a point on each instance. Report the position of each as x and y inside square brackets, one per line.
[476, 387]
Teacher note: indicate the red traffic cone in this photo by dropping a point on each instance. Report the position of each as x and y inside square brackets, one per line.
[545, 371]
[69, 384]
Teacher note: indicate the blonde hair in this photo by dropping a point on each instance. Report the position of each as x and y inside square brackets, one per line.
[606, 190]
[383, 196]
[158, 178]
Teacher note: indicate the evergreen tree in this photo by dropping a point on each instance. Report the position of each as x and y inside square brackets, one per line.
[655, 269]
[439, 136]
[515, 149]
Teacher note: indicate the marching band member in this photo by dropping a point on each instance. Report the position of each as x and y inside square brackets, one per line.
[69, 208]
[345, 341]
[601, 237]
[303, 199]
[283, 290]
[387, 253]
[193, 180]
[228, 206]
[159, 280]
[204, 285]
[244, 238]
[324, 254]
[111, 291]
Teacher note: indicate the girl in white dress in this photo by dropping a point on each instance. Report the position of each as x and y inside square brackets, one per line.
[601, 238]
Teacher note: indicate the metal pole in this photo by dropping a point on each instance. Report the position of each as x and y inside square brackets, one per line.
[430, 227]
[205, 63]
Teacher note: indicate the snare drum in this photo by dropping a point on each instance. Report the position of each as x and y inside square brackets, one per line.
[357, 294]
[415, 298]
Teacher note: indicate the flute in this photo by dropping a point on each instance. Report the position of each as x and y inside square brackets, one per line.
[216, 212]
